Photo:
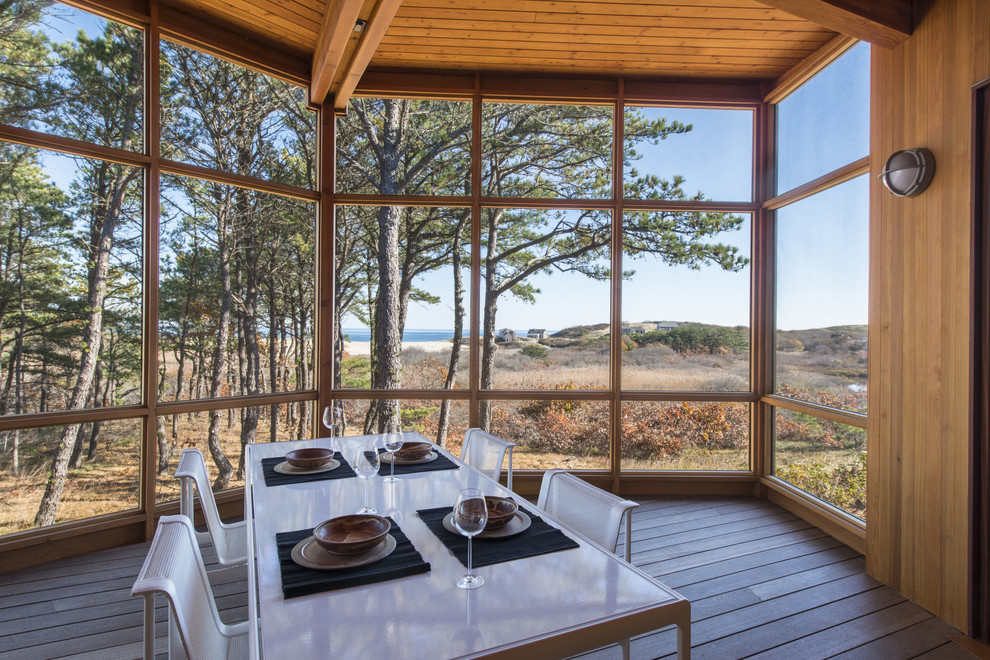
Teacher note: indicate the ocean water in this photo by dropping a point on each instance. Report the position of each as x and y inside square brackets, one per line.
[364, 334]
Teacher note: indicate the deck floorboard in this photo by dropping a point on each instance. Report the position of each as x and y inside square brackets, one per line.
[762, 583]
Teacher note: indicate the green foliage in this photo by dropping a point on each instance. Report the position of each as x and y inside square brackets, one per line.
[391, 146]
[823, 341]
[535, 351]
[355, 371]
[27, 90]
[839, 484]
[697, 338]
[415, 418]
[800, 427]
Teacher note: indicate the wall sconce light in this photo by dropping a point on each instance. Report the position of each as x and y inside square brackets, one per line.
[907, 173]
[359, 25]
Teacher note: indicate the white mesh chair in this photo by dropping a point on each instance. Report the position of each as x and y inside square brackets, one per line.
[486, 452]
[590, 510]
[229, 539]
[174, 567]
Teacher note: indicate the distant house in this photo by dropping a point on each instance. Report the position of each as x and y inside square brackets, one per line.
[666, 325]
[537, 333]
[506, 335]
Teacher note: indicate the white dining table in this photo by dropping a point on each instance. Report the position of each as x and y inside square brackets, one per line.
[547, 606]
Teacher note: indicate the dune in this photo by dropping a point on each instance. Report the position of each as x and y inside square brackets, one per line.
[364, 347]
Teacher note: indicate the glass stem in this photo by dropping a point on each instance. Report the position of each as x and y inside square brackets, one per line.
[391, 473]
[469, 555]
[367, 483]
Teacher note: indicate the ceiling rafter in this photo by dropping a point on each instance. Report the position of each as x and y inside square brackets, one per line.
[371, 37]
[881, 22]
[336, 31]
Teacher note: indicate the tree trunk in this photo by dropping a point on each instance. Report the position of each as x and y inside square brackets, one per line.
[388, 304]
[251, 348]
[305, 347]
[488, 326]
[180, 375]
[218, 372]
[388, 340]
[99, 388]
[443, 422]
[164, 447]
[91, 349]
[272, 359]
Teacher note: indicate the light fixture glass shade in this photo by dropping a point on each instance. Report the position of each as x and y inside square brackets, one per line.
[907, 173]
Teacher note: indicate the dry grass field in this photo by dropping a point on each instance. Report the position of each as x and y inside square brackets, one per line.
[570, 436]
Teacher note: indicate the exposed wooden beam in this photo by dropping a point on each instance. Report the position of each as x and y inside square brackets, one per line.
[881, 22]
[372, 35]
[337, 28]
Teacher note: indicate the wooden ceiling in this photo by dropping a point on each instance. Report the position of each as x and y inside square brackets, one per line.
[741, 40]
[634, 38]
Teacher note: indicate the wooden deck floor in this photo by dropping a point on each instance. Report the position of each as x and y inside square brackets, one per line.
[761, 583]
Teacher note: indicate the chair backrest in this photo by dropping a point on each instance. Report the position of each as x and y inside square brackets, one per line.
[230, 541]
[486, 452]
[174, 567]
[590, 510]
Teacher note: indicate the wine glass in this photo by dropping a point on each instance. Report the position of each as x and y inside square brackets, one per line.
[392, 441]
[366, 464]
[331, 419]
[470, 517]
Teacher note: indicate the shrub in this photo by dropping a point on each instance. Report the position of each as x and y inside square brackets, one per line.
[355, 371]
[428, 373]
[841, 485]
[535, 351]
[652, 430]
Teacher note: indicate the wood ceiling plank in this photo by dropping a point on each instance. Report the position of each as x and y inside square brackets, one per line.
[397, 34]
[462, 61]
[784, 22]
[335, 33]
[885, 23]
[525, 51]
[277, 23]
[685, 34]
[211, 34]
[623, 6]
[790, 54]
[291, 14]
[753, 11]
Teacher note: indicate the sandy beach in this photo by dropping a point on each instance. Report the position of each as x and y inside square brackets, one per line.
[364, 347]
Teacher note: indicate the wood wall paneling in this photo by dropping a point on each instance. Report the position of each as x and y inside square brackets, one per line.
[920, 305]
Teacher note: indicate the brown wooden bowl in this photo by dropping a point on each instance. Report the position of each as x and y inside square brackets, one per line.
[500, 511]
[412, 451]
[309, 458]
[351, 535]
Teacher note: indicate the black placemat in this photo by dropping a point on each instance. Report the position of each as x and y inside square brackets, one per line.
[539, 539]
[441, 463]
[300, 581]
[273, 478]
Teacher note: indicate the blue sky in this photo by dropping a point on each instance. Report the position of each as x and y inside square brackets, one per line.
[822, 269]
[823, 259]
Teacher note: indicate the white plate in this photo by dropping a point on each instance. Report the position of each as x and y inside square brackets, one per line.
[309, 554]
[519, 523]
[285, 468]
[432, 456]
